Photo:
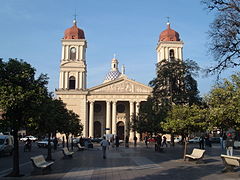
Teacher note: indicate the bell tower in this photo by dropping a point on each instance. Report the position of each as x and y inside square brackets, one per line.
[169, 45]
[73, 68]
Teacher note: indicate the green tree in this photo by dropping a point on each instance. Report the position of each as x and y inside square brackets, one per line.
[72, 125]
[20, 98]
[184, 120]
[224, 41]
[175, 84]
[224, 104]
[52, 118]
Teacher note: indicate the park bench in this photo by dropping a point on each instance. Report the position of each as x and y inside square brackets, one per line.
[230, 162]
[197, 155]
[81, 148]
[66, 152]
[40, 162]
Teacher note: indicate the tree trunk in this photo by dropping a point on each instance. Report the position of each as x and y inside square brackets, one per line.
[49, 155]
[185, 148]
[15, 172]
[67, 135]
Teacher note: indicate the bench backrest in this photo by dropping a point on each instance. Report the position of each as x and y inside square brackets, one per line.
[198, 153]
[38, 160]
[231, 160]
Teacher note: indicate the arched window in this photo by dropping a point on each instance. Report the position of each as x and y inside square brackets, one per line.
[72, 82]
[73, 53]
[171, 54]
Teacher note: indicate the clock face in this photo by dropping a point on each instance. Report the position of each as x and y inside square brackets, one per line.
[73, 50]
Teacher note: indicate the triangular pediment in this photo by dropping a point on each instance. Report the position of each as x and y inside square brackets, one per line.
[121, 85]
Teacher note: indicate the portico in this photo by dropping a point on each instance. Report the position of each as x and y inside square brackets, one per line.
[112, 105]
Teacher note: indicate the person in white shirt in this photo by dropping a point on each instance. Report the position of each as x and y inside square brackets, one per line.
[104, 143]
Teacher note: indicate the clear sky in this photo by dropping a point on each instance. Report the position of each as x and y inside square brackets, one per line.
[32, 30]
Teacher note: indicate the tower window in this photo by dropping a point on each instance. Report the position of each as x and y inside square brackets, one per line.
[73, 53]
[72, 82]
[171, 53]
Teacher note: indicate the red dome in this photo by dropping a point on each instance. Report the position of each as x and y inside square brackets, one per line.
[169, 35]
[74, 33]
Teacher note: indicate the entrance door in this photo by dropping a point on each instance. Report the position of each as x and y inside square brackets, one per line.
[97, 129]
[120, 130]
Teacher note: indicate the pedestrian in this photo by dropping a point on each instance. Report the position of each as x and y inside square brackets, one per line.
[164, 141]
[127, 141]
[55, 143]
[229, 144]
[159, 142]
[224, 140]
[117, 142]
[207, 141]
[104, 143]
[146, 141]
[201, 142]
[135, 141]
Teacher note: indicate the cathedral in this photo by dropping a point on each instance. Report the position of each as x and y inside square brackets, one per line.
[108, 107]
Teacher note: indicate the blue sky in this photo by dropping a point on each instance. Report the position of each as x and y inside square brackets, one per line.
[32, 30]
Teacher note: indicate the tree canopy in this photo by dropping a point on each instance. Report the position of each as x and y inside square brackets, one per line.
[224, 33]
[224, 104]
[20, 98]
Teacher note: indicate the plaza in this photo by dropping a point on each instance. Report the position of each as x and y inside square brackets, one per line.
[133, 163]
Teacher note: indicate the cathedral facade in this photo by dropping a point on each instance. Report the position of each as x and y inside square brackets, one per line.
[106, 108]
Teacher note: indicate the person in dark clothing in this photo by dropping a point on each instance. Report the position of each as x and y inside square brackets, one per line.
[159, 143]
[135, 141]
[201, 142]
[164, 142]
[127, 141]
[224, 138]
[117, 142]
[55, 142]
[229, 144]
[146, 141]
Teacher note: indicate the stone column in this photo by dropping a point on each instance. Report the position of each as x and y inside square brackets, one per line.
[137, 112]
[114, 118]
[81, 80]
[61, 80]
[81, 53]
[67, 52]
[77, 80]
[66, 74]
[131, 114]
[108, 117]
[91, 119]
[63, 52]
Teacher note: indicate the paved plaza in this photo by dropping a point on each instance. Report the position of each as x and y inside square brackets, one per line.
[133, 163]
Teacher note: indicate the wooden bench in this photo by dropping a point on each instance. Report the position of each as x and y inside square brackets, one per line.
[66, 152]
[230, 162]
[40, 162]
[197, 154]
[81, 148]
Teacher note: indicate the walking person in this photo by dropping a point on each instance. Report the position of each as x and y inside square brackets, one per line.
[224, 138]
[117, 143]
[104, 143]
[201, 142]
[55, 142]
[164, 142]
[135, 141]
[127, 141]
[229, 144]
[146, 141]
